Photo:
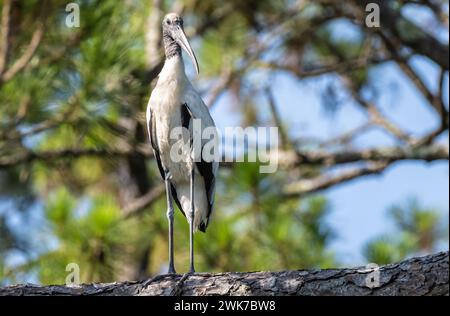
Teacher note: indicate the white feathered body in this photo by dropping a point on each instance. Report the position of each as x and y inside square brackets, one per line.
[172, 90]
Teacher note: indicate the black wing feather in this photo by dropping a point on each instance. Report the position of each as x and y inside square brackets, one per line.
[205, 168]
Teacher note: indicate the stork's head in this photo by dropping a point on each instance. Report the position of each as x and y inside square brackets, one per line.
[174, 38]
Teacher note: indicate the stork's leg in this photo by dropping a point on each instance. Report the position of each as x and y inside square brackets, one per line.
[170, 217]
[191, 225]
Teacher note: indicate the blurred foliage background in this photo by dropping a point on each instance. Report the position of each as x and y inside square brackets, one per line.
[77, 179]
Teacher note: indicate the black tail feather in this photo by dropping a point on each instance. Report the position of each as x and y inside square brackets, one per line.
[203, 227]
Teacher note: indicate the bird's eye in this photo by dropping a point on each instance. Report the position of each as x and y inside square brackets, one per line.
[168, 22]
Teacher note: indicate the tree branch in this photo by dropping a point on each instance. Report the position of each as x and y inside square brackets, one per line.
[291, 159]
[421, 276]
[435, 101]
[284, 138]
[23, 61]
[322, 182]
[142, 202]
[4, 35]
[287, 159]
[51, 155]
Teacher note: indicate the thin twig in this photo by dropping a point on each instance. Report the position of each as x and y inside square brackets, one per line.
[284, 138]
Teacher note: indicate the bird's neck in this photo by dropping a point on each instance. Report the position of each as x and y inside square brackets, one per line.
[173, 70]
[171, 48]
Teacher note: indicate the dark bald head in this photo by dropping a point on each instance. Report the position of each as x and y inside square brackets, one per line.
[170, 24]
[175, 39]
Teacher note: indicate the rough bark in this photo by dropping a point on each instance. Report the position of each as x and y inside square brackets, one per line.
[417, 276]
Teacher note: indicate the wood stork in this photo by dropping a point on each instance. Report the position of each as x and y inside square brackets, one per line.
[175, 103]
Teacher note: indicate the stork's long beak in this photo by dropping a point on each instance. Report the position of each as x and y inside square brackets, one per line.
[182, 40]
